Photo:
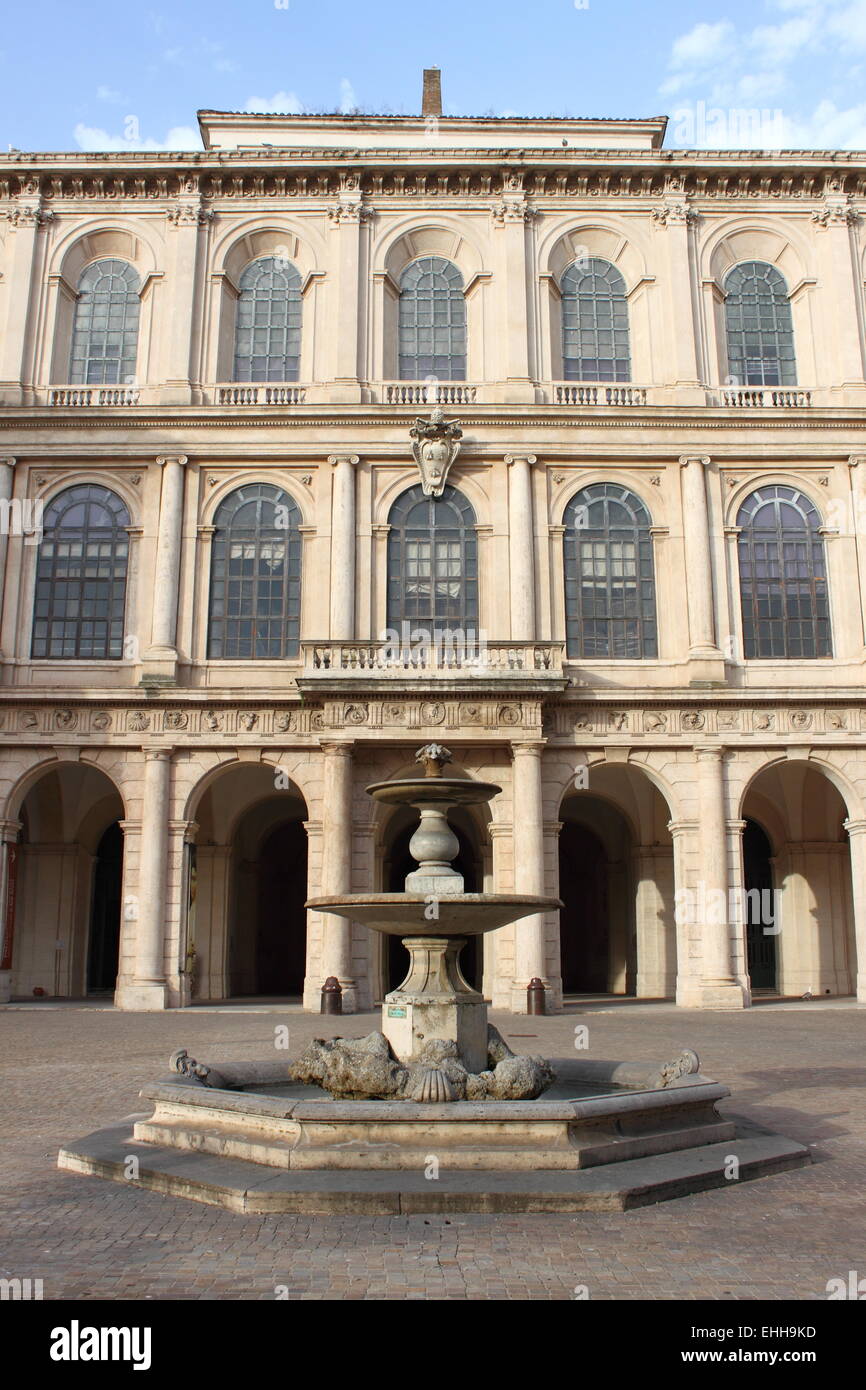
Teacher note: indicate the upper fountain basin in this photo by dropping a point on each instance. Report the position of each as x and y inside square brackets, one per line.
[451, 791]
[407, 914]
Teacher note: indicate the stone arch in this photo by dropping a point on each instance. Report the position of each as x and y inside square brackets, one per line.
[803, 938]
[67, 914]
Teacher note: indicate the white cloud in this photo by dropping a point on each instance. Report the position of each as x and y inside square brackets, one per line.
[828, 128]
[180, 137]
[283, 103]
[702, 45]
[348, 100]
[779, 44]
[108, 94]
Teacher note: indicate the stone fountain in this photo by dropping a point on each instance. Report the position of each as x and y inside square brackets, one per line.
[434, 1113]
[434, 1006]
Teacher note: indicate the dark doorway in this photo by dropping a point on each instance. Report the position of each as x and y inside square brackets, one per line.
[584, 917]
[104, 945]
[758, 879]
[281, 934]
[401, 864]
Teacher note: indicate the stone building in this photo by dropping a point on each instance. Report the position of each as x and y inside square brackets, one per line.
[636, 601]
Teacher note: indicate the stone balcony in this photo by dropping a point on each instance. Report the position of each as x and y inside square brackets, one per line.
[535, 667]
[423, 395]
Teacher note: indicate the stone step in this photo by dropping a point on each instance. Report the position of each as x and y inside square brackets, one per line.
[585, 1149]
[245, 1187]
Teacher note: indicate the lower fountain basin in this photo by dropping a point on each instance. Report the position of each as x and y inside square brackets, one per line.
[458, 914]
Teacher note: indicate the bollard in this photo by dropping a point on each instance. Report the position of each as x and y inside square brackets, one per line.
[535, 997]
[332, 996]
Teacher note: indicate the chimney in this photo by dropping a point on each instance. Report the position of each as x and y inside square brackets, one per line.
[431, 100]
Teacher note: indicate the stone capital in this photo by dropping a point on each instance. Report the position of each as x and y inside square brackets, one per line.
[155, 754]
[336, 459]
[337, 748]
[521, 458]
[854, 827]
[8, 462]
[709, 752]
[179, 459]
[686, 459]
[533, 749]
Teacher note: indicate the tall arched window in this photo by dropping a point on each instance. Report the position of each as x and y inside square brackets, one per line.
[105, 333]
[432, 321]
[595, 344]
[255, 589]
[268, 324]
[432, 564]
[759, 326]
[81, 576]
[610, 606]
[783, 579]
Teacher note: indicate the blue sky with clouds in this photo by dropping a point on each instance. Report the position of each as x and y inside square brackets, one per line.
[777, 73]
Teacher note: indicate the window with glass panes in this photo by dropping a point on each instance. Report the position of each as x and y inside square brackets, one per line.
[610, 605]
[255, 590]
[268, 323]
[432, 328]
[81, 570]
[105, 331]
[760, 329]
[595, 342]
[432, 563]
[783, 579]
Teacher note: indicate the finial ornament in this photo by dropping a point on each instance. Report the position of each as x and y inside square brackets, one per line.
[435, 445]
[434, 757]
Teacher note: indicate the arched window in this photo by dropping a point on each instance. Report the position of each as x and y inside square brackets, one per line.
[783, 579]
[432, 321]
[759, 326]
[105, 333]
[432, 565]
[268, 324]
[81, 576]
[255, 588]
[595, 343]
[610, 605]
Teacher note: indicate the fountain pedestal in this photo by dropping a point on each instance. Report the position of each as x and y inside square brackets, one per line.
[435, 1001]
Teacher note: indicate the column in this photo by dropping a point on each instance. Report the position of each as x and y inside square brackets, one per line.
[343, 533]
[189, 221]
[521, 543]
[857, 845]
[672, 219]
[161, 657]
[347, 218]
[656, 950]
[7, 479]
[699, 568]
[25, 219]
[718, 987]
[838, 255]
[337, 865]
[528, 832]
[9, 852]
[512, 217]
[148, 991]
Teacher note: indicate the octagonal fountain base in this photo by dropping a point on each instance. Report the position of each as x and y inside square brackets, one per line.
[605, 1136]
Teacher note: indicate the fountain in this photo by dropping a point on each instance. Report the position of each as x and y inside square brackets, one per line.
[435, 1112]
[435, 918]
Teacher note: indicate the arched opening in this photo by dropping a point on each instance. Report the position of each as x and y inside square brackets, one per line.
[806, 916]
[617, 930]
[249, 931]
[760, 918]
[66, 933]
[104, 946]
[398, 862]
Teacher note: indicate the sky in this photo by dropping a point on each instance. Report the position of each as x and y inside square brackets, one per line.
[93, 75]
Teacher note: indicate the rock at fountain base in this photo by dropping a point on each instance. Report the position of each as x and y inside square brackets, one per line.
[366, 1069]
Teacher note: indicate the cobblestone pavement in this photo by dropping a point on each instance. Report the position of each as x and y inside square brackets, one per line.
[67, 1070]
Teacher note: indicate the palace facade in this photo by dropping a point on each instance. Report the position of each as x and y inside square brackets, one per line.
[636, 602]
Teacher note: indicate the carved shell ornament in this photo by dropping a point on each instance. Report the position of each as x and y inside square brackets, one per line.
[434, 1087]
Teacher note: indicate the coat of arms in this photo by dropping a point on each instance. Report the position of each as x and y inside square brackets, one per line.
[435, 444]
